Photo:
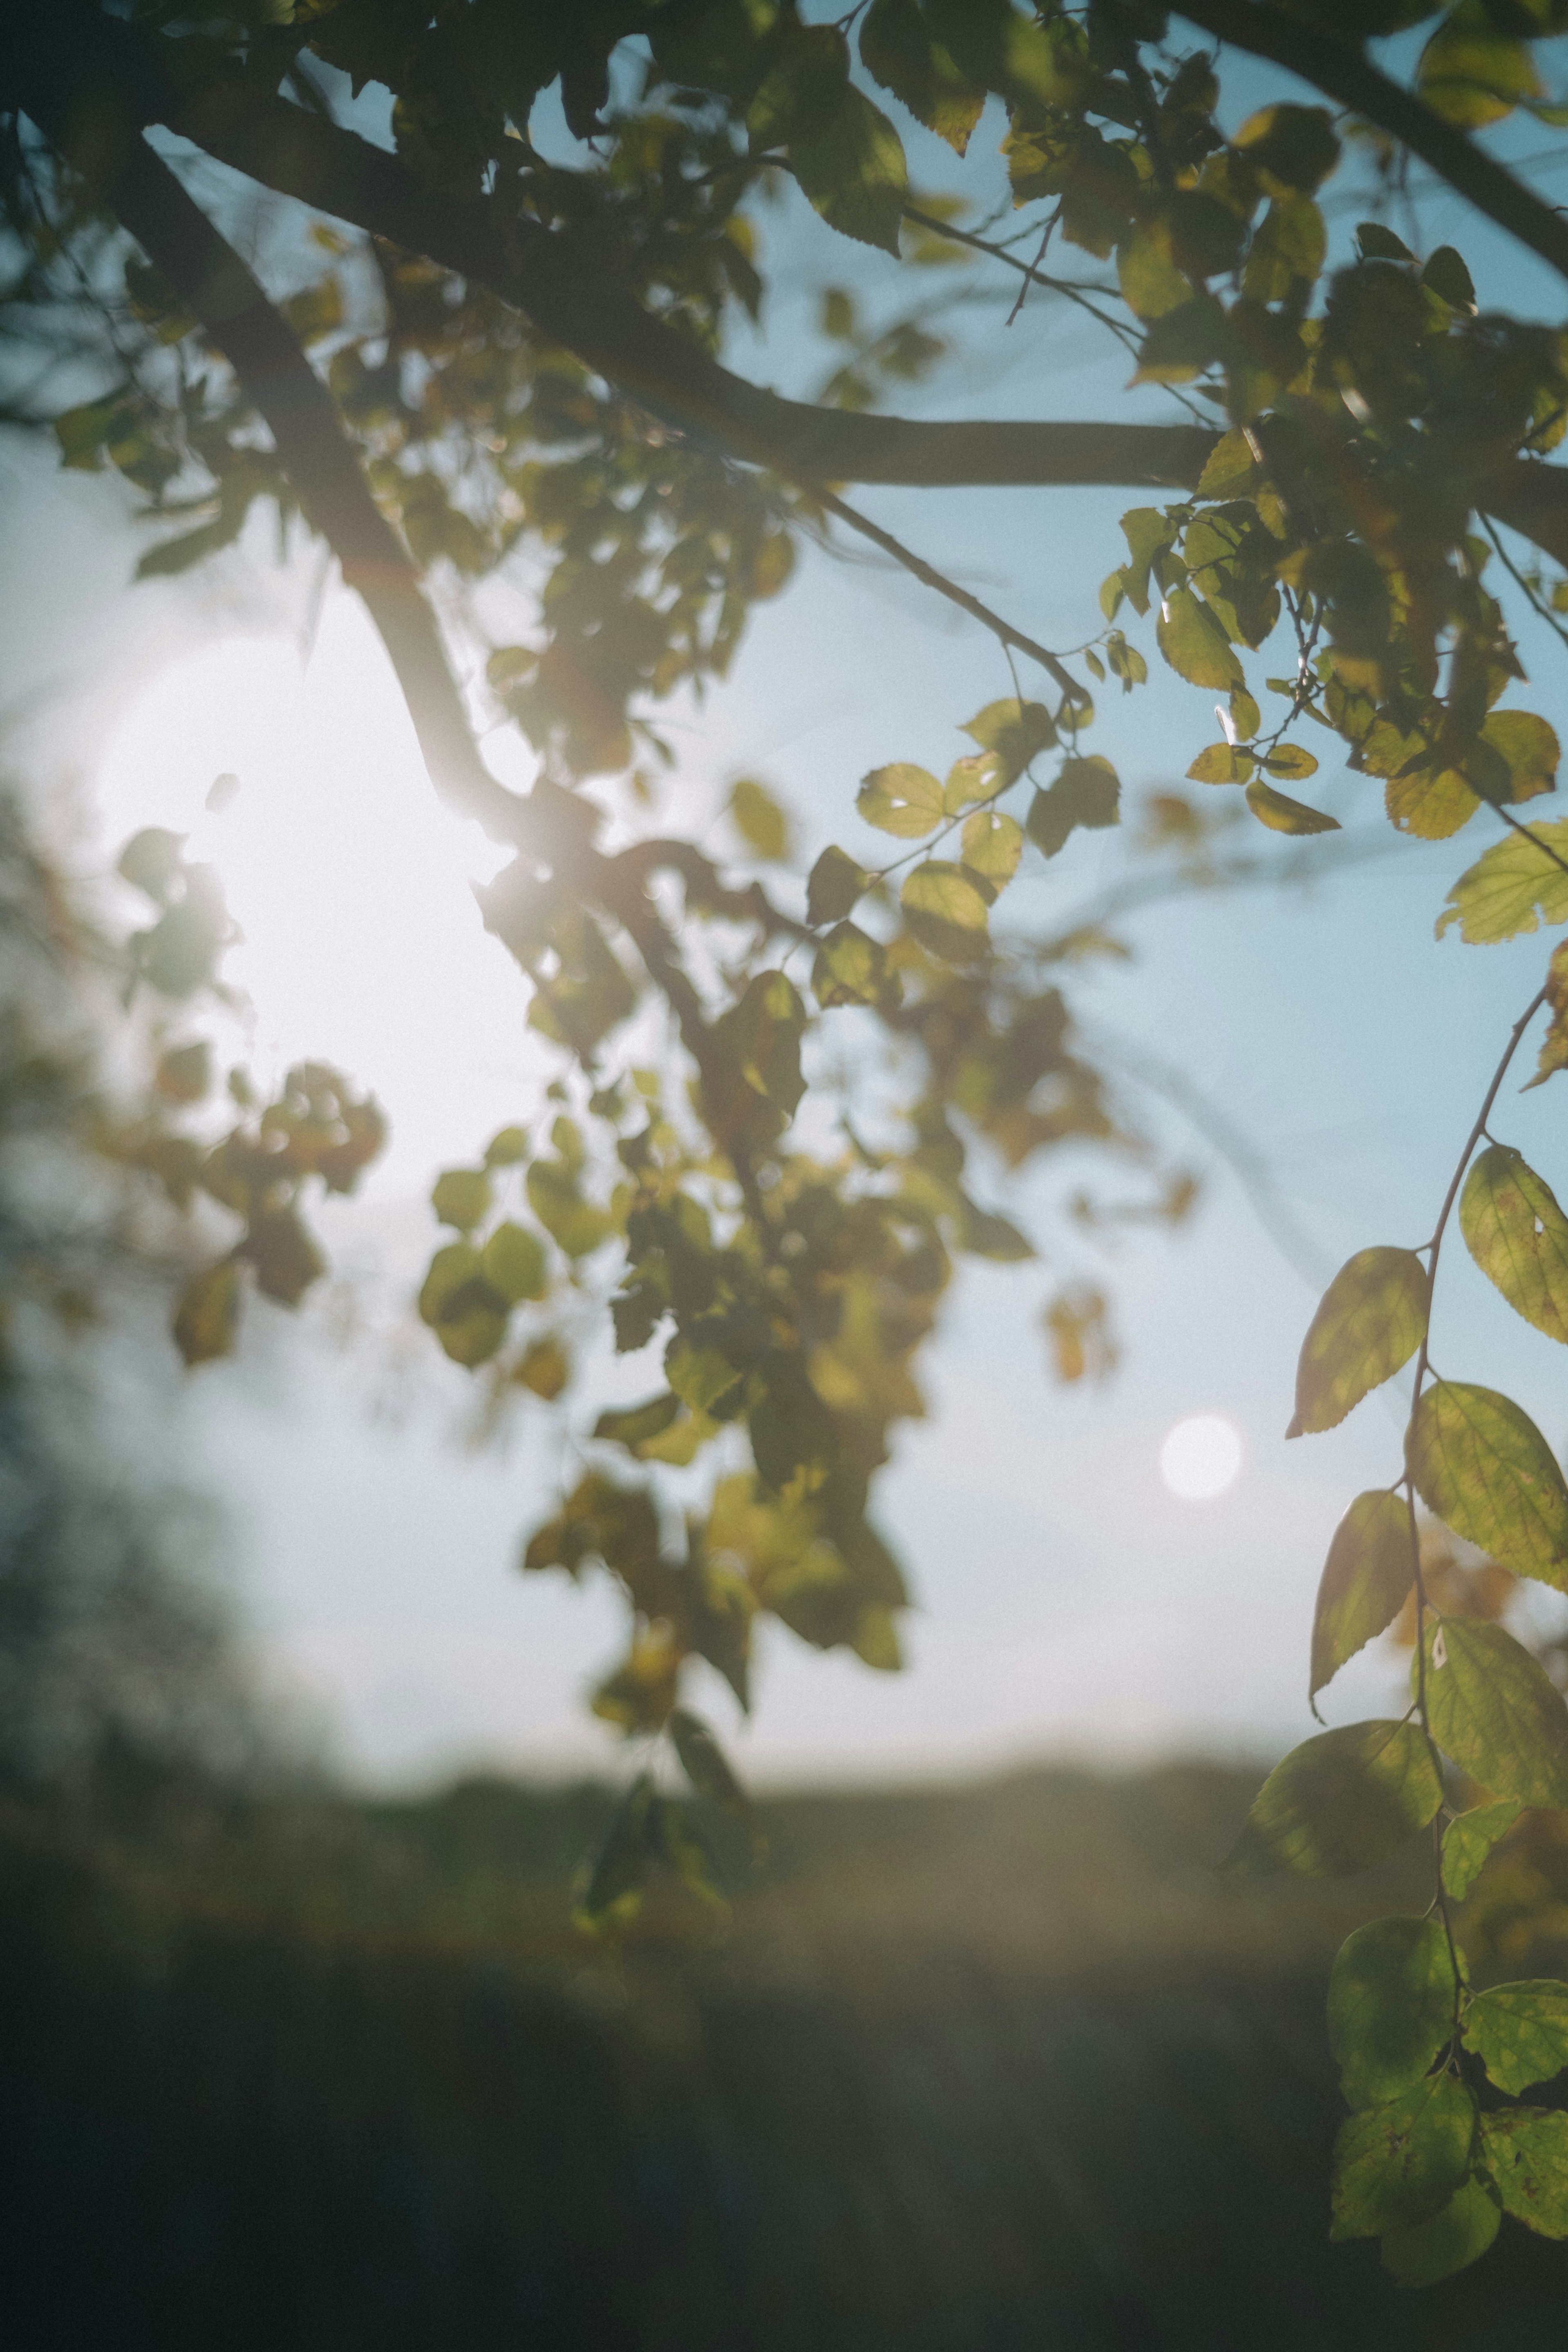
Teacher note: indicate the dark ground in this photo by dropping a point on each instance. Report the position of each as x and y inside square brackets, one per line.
[978, 2069]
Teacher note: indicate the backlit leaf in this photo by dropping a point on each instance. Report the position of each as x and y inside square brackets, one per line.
[1525, 2152]
[835, 884]
[853, 173]
[993, 845]
[1518, 1236]
[633, 1426]
[513, 1262]
[946, 910]
[1495, 1711]
[1340, 1802]
[206, 1316]
[758, 818]
[576, 1225]
[1222, 763]
[1471, 72]
[705, 1764]
[1146, 270]
[1086, 793]
[897, 50]
[1292, 146]
[1553, 1055]
[608, 1892]
[1397, 2163]
[1520, 2033]
[1390, 2007]
[1457, 2235]
[851, 968]
[1484, 1467]
[1281, 813]
[1447, 277]
[1372, 1319]
[902, 800]
[1530, 748]
[1016, 731]
[1193, 644]
[1290, 759]
[1469, 1839]
[461, 1197]
[544, 1367]
[1366, 1577]
[1515, 885]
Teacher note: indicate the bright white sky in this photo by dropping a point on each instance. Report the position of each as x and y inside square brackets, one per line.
[1068, 1600]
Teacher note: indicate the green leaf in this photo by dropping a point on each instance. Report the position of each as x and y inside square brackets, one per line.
[1448, 278]
[1401, 2162]
[1526, 2153]
[1376, 243]
[513, 1262]
[704, 1379]
[896, 50]
[1222, 763]
[1520, 2033]
[608, 1890]
[1484, 1467]
[851, 968]
[1519, 1237]
[766, 1029]
[1457, 2235]
[902, 800]
[1372, 1319]
[461, 1197]
[1281, 813]
[1146, 270]
[705, 1764]
[946, 910]
[206, 1315]
[1286, 250]
[853, 174]
[1292, 146]
[758, 819]
[1553, 1055]
[506, 1148]
[835, 884]
[979, 777]
[1472, 73]
[993, 845]
[1495, 1711]
[1086, 793]
[1511, 888]
[1016, 732]
[1469, 1839]
[1339, 1803]
[1290, 759]
[1390, 2007]
[1195, 644]
[633, 1426]
[577, 1225]
[466, 1316]
[1365, 1579]
[1529, 748]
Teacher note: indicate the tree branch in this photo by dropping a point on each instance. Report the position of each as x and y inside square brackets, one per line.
[92, 82]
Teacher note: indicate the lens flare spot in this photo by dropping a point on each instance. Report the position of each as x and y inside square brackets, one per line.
[1200, 1457]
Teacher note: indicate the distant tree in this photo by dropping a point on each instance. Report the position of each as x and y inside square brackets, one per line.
[1354, 454]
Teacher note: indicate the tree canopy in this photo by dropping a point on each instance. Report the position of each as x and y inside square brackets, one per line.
[1349, 479]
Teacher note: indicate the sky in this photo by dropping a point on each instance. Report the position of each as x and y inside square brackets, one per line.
[1067, 1603]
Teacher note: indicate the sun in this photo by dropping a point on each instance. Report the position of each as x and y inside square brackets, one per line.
[361, 941]
[1200, 1457]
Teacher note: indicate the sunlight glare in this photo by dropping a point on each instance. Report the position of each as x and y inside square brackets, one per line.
[1200, 1457]
[362, 943]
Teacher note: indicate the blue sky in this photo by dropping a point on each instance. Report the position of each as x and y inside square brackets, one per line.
[1066, 1602]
